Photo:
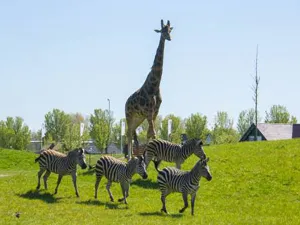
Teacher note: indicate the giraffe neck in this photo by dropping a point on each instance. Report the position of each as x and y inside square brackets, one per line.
[153, 80]
[159, 56]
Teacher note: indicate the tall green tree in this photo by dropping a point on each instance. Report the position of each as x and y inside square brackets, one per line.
[14, 133]
[279, 114]
[177, 128]
[56, 124]
[196, 126]
[99, 128]
[246, 118]
[223, 131]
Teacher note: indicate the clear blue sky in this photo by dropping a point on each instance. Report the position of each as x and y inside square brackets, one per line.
[74, 55]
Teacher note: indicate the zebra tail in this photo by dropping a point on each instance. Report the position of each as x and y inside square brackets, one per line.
[37, 159]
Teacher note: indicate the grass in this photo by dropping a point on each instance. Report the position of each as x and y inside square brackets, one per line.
[253, 183]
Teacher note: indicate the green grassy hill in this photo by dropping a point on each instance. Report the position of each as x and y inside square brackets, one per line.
[253, 183]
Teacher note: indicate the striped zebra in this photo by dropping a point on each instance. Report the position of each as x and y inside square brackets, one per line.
[158, 150]
[116, 170]
[171, 179]
[56, 162]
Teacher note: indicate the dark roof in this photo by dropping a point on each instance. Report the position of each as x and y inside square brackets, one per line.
[296, 131]
[275, 131]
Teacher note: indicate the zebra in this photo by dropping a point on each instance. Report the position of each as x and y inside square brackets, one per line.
[171, 179]
[116, 170]
[158, 150]
[56, 162]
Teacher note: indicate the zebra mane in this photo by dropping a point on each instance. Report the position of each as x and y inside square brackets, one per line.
[190, 142]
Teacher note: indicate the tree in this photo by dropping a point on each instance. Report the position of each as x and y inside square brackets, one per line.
[279, 114]
[196, 126]
[177, 128]
[56, 124]
[223, 131]
[72, 138]
[36, 135]
[14, 133]
[255, 90]
[246, 118]
[99, 128]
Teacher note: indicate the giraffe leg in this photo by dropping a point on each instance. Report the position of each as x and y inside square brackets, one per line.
[135, 139]
[151, 131]
[132, 125]
[129, 142]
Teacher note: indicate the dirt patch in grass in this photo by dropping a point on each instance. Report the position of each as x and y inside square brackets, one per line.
[3, 175]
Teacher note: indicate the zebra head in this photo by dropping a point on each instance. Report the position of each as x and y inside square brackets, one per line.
[80, 158]
[198, 149]
[204, 169]
[141, 167]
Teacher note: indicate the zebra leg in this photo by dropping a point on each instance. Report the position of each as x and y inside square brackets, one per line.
[74, 175]
[164, 194]
[125, 191]
[58, 182]
[186, 204]
[108, 190]
[193, 197]
[163, 200]
[40, 173]
[45, 177]
[98, 179]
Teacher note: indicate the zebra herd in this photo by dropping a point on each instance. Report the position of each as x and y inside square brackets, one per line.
[170, 179]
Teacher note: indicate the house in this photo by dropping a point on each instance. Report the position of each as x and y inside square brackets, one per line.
[272, 131]
[208, 139]
[113, 149]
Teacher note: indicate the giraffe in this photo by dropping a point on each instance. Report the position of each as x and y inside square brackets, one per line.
[145, 102]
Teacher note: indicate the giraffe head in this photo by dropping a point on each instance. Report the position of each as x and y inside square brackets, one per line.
[165, 30]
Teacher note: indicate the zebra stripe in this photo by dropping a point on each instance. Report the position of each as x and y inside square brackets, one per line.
[118, 171]
[171, 179]
[56, 162]
[158, 150]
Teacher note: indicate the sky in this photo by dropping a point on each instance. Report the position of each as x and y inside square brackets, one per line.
[75, 55]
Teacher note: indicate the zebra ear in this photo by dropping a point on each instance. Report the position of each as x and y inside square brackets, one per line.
[199, 142]
[207, 159]
[81, 151]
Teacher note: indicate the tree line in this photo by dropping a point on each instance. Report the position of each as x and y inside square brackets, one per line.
[101, 127]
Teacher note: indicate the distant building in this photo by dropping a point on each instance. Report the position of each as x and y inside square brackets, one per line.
[272, 131]
[113, 149]
[35, 146]
[208, 139]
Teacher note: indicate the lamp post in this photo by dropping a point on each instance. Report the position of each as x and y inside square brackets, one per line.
[109, 121]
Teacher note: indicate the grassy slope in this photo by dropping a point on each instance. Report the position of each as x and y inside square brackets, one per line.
[253, 183]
